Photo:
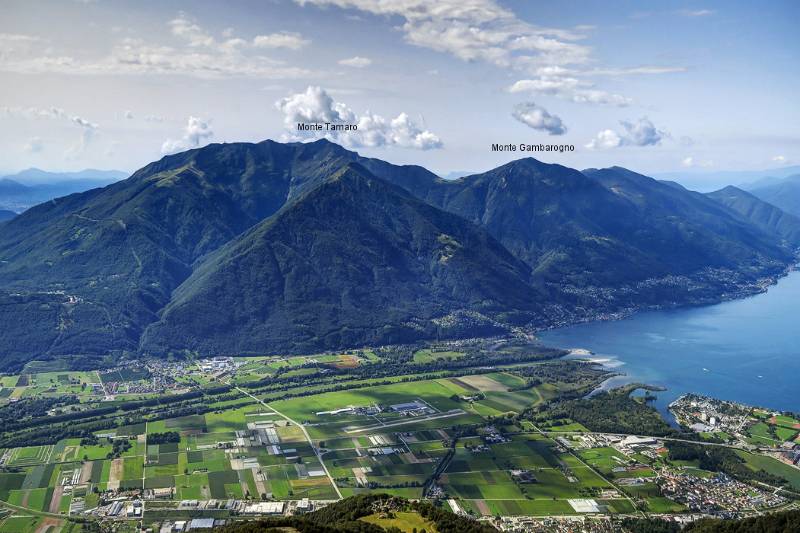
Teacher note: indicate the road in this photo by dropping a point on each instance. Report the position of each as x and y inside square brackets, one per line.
[414, 420]
[305, 434]
[598, 474]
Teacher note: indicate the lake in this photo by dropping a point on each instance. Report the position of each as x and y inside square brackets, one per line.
[744, 350]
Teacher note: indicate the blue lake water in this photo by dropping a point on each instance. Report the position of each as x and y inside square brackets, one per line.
[745, 350]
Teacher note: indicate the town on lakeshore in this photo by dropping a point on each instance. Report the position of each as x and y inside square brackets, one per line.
[497, 430]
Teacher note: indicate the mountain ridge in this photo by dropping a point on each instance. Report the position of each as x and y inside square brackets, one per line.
[761, 213]
[784, 194]
[90, 272]
[407, 263]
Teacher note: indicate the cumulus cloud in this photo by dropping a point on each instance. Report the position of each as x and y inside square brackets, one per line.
[639, 133]
[193, 51]
[356, 62]
[780, 159]
[605, 139]
[316, 106]
[538, 118]
[196, 133]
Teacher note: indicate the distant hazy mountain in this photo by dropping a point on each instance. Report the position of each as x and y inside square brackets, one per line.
[706, 181]
[784, 194]
[33, 186]
[6, 215]
[270, 246]
[354, 261]
[761, 213]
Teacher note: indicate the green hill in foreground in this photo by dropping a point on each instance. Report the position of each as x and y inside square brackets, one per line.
[363, 514]
[379, 513]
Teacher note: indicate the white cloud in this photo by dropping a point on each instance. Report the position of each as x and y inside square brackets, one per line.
[639, 133]
[538, 118]
[605, 139]
[690, 162]
[569, 88]
[191, 32]
[34, 145]
[88, 129]
[356, 62]
[316, 106]
[197, 53]
[695, 12]
[197, 132]
[153, 118]
[631, 71]
[780, 159]
[483, 30]
[474, 30]
[292, 41]
[128, 114]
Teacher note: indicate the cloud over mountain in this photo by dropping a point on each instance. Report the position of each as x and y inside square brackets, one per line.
[316, 106]
[538, 118]
[197, 132]
[639, 133]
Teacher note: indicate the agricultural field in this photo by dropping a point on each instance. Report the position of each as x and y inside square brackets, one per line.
[318, 427]
[86, 386]
[387, 438]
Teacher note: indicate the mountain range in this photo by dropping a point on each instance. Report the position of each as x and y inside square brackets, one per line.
[271, 247]
[20, 191]
[783, 193]
[711, 180]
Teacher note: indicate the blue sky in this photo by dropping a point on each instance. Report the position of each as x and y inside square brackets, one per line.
[655, 87]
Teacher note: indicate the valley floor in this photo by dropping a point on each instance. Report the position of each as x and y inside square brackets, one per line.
[465, 423]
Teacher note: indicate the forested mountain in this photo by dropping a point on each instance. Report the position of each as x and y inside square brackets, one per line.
[285, 239]
[784, 193]
[762, 214]
[354, 261]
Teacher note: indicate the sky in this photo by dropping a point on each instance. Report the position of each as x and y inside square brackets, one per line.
[652, 86]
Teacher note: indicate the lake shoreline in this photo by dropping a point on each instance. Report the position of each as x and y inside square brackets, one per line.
[740, 349]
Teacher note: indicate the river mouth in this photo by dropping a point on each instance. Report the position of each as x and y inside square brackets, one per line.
[744, 350]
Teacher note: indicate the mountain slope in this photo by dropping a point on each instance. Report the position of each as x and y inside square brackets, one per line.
[550, 216]
[120, 251]
[6, 215]
[784, 194]
[86, 274]
[354, 261]
[697, 230]
[764, 215]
